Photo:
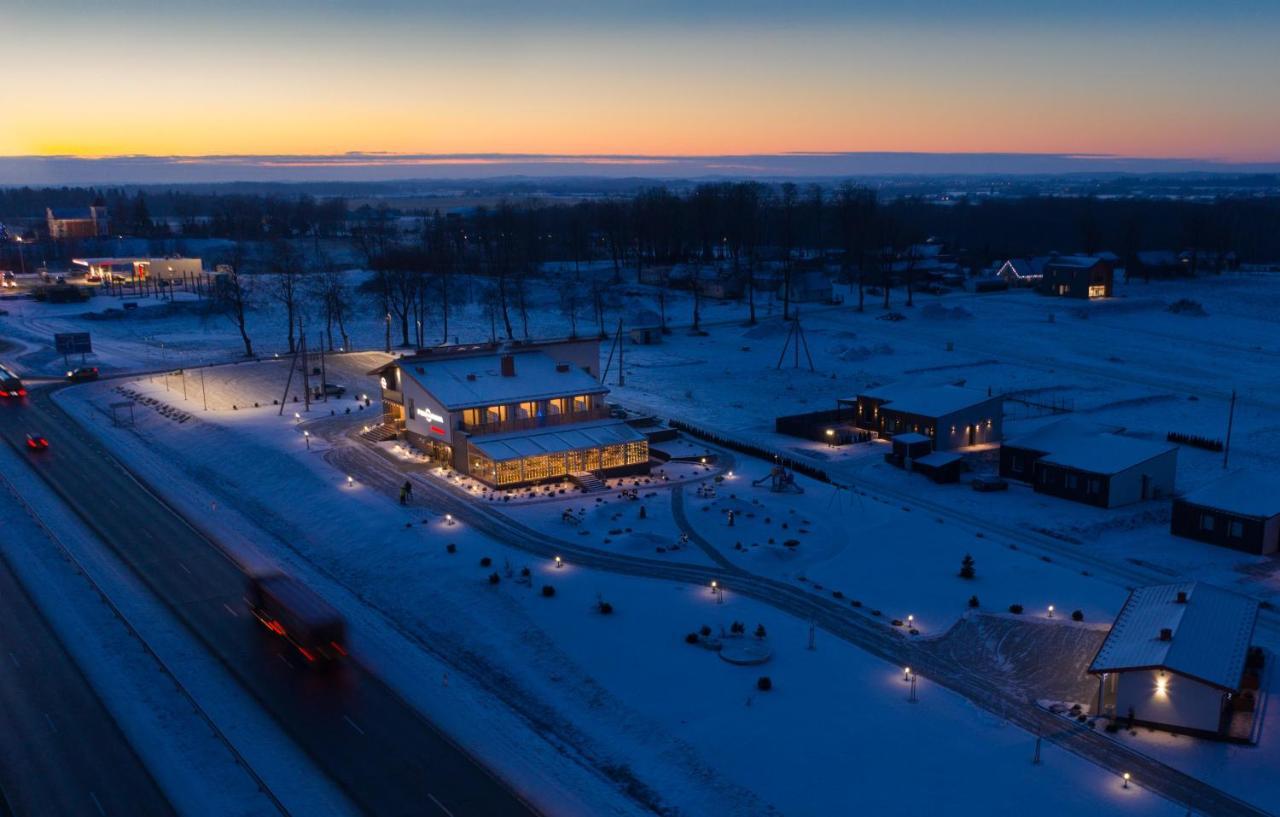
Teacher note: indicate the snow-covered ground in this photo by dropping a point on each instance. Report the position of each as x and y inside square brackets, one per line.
[628, 717]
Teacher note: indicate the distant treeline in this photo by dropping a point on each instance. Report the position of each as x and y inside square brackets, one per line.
[660, 225]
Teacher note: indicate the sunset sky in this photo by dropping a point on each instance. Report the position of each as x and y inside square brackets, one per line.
[1150, 79]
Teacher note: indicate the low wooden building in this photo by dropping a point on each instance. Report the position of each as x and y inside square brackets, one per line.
[1240, 510]
[1176, 658]
[951, 416]
[1077, 276]
[1068, 460]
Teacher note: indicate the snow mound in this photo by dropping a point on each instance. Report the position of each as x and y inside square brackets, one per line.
[771, 329]
[1188, 307]
[938, 312]
[852, 353]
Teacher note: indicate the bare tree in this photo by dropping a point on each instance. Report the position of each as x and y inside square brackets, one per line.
[232, 292]
[288, 268]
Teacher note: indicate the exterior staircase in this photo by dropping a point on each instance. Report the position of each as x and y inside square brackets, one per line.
[380, 433]
[588, 482]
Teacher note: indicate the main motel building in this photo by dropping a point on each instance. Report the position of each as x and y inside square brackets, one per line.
[511, 414]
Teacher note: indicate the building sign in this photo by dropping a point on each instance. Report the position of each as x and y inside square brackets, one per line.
[430, 416]
[72, 343]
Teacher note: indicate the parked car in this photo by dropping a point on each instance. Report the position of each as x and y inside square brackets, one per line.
[83, 373]
[37, 442]
[330, 389]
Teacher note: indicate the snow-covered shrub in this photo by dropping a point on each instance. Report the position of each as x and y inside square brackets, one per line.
[1016, 609]
[548, 591]
[764, 683]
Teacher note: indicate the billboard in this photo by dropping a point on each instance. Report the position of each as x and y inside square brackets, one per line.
[73, 343]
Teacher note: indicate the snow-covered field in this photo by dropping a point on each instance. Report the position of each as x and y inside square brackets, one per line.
[616, 714]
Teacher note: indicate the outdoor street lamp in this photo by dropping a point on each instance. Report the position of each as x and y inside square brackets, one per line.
[559, 563]
[1126, 780]
[306, 435]
[350, 481]
[297, 418]
[1050, 611]
[906, 673]
[911, 621]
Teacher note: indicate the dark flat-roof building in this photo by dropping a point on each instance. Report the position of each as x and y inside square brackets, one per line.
[1077, 276]
[1240, 510]
[951, 416]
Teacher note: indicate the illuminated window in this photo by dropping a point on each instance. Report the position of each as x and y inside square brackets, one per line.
[495, 414]
[581, 402]
[558, 405]
[471, 417]
[612, 456]
[527, 409]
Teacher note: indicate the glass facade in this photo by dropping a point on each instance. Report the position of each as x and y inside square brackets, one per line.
[506, 473]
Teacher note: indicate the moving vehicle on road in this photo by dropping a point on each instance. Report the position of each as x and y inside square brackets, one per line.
[329, 389]
[37, 442]
[11, 384]
[291, 610]
[83, 373]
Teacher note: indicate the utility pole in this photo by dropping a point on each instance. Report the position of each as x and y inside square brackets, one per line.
[1231, 416]
[203, 394]
[324, 375]
[306, 369]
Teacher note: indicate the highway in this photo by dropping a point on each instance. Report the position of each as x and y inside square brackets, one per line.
[61, 753]
[386, 757]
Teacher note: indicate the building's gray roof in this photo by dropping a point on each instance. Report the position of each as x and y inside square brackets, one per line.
[1242, 492]
[1211, 633]
[927, 401]
[519, 444]
[1107, 453]
[1074, 262]
[536, 378]
[910, 438]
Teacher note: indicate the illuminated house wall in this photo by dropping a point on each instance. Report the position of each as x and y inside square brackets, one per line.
[1168, 699]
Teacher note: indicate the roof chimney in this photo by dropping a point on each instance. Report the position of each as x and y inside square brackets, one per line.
[1166, 634]
[508, 366]
[1182, 597]
[562, 367]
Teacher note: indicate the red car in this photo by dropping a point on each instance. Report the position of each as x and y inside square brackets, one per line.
[37, 442]
[83, 373]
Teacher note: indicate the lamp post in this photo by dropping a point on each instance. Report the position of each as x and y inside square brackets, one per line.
[559, 563]
[388, 333]
[350, 481]
[22, 259]
[911, 622]
[1126, 780]
[306, 435]
[831, 438]
[1050, 611]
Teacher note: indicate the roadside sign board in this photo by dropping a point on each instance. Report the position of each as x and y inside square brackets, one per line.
[73, 343]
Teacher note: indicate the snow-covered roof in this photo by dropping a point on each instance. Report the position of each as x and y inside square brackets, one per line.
[538, 376]
[1242, 492]
[938, 459]
[910, 438]
[927, 401]
[1158, 258]
[1074, 261]
[519, 444]
[1211, 632]
[1106, 453]
[1051, 436]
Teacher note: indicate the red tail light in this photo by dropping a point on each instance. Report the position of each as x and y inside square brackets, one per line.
[338, 647]
[22, 392]
[306, 654]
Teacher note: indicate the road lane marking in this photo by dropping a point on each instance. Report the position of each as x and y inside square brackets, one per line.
[286, 661]
[49, 721]
[439, 805]
[353, 724]
[14, 659]
[230, 610]
[94, 798]
[184, 567]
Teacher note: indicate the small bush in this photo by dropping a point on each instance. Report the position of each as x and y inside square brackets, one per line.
[967, 570]
[764, 683]
[760, 631]
[494, 578]
[737, 627]
[524, 571]
[486, 561]
[451, 548]
[897, 622]
[1016, 609]
[1112, 727]
[1077, 615]
[973, 602]
[548, 591]
[856, 603]
[691, 638]
[605, 608]
[705, 630]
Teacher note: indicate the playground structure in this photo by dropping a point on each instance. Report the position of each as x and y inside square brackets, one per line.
[780, 480]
